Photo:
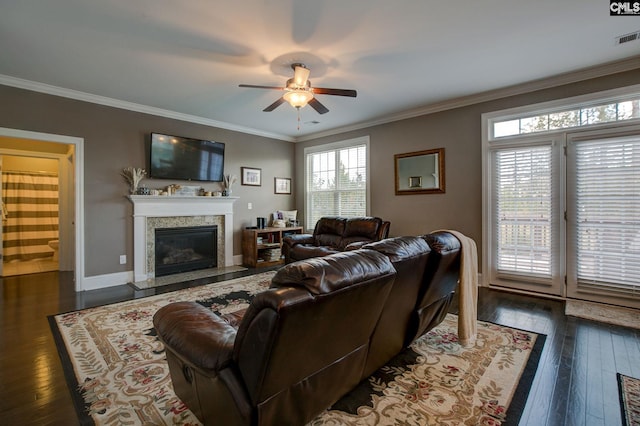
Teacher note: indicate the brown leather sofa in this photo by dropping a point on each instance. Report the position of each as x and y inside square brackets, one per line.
[440, 281]
[333, 235]
[300, 346]
[427, 270]
[324, 325]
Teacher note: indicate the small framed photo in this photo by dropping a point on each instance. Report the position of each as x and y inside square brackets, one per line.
[282, 185]
[251, 176]
[415, 182]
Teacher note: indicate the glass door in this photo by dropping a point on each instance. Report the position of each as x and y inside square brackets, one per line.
[603, 217]
[526, 230]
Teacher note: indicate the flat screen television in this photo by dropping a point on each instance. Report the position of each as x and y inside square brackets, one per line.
[175, 157]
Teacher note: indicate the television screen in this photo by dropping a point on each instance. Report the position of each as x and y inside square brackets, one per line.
[175, 157]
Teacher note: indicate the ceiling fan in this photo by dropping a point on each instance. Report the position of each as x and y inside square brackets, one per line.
[298, 91]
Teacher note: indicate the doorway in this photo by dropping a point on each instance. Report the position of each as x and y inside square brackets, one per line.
[562, 212]
[69, 153]
[30, 197]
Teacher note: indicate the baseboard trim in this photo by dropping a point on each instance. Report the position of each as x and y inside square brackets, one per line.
[120, 278]
[525, 292]
[107, 280]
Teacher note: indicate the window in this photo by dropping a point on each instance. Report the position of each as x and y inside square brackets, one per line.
[561, 210]
[524, 204]
[524, 211]
[606, 237]
[568, 118]
[336, 180]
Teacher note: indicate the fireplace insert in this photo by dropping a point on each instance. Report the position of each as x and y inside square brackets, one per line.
[185, 249]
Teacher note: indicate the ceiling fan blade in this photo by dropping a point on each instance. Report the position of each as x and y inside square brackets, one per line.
[274, 105]
[337, 92]
[300, 76]
[315, 104]
[251, 86]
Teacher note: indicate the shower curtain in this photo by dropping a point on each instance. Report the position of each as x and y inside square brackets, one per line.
[29, 213]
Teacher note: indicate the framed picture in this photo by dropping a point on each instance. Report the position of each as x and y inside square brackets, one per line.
[282, 185]
[415, 181]
[420, 172]
[251, 176]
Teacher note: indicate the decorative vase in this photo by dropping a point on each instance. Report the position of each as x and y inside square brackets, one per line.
[226, 192]
[133, 176]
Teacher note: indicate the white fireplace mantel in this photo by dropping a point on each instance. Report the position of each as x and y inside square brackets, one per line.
[146, 206]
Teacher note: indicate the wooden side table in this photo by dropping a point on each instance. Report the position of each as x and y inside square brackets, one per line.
[263, 247]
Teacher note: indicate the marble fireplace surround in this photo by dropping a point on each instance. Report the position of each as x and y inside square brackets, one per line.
[151, 212]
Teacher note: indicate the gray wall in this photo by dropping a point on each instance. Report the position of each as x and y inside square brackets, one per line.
[115, 138]
[459, 132]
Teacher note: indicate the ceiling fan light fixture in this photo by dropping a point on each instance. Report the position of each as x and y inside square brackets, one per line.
[298, 92]
[301, 75]
[298, 98]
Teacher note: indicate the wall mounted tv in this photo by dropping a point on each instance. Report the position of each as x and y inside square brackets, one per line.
[175, 157]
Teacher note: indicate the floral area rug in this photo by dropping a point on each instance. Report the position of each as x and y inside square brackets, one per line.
[629, 388]
[115, 365]
[117, 372]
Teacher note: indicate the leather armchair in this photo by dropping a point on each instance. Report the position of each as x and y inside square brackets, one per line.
[440, 281]
[409, 256]
[300, 346]
[428, 269]
[333, 235]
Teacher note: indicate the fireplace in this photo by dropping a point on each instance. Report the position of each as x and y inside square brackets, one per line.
[185, 249]
[151, 213]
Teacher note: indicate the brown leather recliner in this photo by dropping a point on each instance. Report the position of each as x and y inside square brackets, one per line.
[300, 346]
[428, 269]
[409, 256]
[441, 278]
[333, 235]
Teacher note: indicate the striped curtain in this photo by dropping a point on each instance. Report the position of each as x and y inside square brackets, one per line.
[30, 214]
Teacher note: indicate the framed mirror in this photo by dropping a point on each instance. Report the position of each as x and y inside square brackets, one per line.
[420, 172]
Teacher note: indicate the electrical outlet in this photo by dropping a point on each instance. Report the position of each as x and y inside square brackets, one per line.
[249, 206]
[123, 259]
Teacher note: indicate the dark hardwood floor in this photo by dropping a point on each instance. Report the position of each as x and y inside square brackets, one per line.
[575, 383]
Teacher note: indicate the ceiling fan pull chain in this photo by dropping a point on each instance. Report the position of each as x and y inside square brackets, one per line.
[298, 118]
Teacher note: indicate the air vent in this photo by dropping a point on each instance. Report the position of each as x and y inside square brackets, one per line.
[628, 37]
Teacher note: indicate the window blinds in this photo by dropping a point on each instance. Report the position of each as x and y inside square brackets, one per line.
[607, 213]
[336, 183]
[524, 211]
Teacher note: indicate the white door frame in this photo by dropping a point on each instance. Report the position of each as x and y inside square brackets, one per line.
[1, 226]
[78, 144]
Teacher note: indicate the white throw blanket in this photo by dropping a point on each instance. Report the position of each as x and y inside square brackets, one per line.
[468, 290]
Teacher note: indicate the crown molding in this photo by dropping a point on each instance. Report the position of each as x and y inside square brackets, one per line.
[491, 95]
[463, 101]
[131, 106]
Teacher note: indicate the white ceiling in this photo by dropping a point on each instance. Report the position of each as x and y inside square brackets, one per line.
[188, 57]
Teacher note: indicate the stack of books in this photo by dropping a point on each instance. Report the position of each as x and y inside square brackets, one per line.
[272, 255]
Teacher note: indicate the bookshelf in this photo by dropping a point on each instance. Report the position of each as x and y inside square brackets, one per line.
[263, 247]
